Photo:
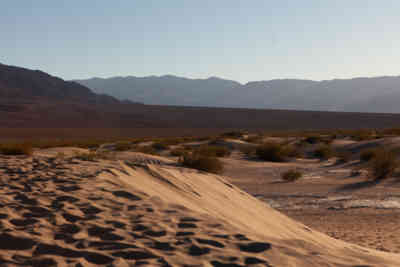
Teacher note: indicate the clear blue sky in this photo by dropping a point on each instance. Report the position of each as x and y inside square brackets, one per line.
[240, 40]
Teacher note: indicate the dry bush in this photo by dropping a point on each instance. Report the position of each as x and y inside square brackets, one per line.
[233, 134]
[344, 156]
[362, 135]
[213, 151]
[272, 152]
[202, 163]
[123, 146]
[160, 146]
[146, 150]
[178, 152]
[16, 149]
[291, 175]
[254, 139]
[369, 154]
[324, 152]
[383, 165]
[313, 139]
[249, 151]
[94, 155]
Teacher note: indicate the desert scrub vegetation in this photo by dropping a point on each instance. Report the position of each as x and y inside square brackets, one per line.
[383, 165]
[16, 149]
[324, 152]
[233, 134]
[123, 146]
[202, 163]
[146, 150]
[178, 152]
[213, 151]
[160, 146]
[343, 156]
[94, 155]
[313, 139]
[275, 152]
[369, 154]
[291, 175]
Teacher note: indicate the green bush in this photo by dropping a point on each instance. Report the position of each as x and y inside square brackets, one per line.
[16, 149]
[383, 165]
[291, 175]
[202, 163]
[324, 152]
[272, 152]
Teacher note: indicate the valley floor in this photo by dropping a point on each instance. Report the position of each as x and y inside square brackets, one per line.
[328, 199]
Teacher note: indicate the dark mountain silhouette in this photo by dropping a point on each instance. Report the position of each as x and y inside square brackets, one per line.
[378, 94]
[34, 99]
[20, 83]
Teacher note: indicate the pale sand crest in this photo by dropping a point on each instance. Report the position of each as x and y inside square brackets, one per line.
[68, 212]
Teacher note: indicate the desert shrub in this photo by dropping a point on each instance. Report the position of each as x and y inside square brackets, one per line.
[249, 151]
[60, 155]
[89, 156]
[213, 151]
[123, 146]
[272, 152]
[160, 146]
[369, 154]
[313, 139]
[93, 155]
[255, 139]
[203, 163]
[291, 175]
[344, 156]
[324, 152]
[292, 151]
[146, 150]
[177, 152]
[362, 135]
[16, 149]
[233, 134]
[383, 165]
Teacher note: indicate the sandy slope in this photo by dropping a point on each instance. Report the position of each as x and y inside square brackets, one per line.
[68, 212]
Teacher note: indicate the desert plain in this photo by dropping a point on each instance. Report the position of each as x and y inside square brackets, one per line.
[135, 203]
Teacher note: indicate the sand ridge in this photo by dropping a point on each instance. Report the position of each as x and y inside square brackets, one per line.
[69, 212]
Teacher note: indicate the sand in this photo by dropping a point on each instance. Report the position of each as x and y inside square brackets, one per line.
[130, 212]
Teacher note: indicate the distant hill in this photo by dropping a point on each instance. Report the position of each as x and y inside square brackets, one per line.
[34, 99]
[379, 94]
[164, 90]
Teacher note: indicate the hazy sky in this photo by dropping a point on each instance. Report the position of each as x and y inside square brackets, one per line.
[240, 40]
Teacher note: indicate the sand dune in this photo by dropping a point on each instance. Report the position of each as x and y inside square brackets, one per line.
[126, 212]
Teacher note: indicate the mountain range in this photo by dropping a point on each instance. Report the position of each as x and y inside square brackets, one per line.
[378, 94]
[35, 99]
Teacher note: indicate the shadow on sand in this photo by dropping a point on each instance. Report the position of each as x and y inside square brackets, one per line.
[357, 186]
